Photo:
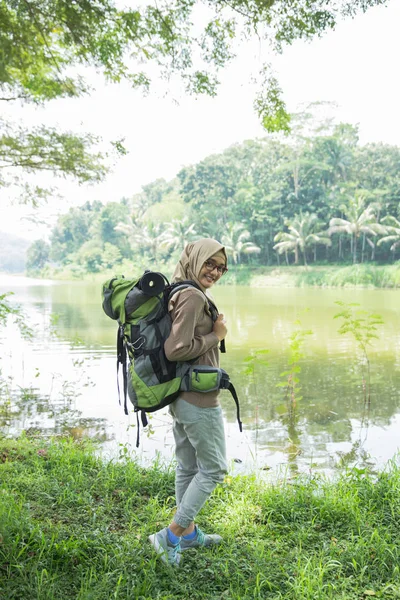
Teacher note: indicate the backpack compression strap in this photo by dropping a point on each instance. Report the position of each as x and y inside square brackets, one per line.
[121, 360]
[226, 384]
[232, 390]
[144, 424]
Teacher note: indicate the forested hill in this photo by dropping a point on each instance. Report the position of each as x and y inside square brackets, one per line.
[300, 199]
[12, 253]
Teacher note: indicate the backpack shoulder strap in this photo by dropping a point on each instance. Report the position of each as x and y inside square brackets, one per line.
[181, 285]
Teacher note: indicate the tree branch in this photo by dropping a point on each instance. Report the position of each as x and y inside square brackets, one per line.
[14, 98]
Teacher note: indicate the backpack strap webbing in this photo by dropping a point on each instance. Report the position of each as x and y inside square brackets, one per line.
[232, 390]
[121, 360]
[145, 422]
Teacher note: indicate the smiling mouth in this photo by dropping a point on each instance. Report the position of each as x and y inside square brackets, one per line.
[211, 279]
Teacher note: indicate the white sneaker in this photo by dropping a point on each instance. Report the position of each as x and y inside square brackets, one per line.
[168, 553]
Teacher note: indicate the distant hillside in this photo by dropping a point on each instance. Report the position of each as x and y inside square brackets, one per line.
[12, 253]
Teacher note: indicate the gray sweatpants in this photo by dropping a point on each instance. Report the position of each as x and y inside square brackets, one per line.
[201, 455]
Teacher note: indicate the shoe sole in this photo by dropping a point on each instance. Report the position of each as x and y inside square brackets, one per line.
[161, 551]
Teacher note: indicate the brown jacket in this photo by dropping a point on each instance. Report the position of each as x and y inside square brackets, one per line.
[192, 337]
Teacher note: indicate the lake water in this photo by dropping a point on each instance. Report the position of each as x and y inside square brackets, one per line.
[64, 380]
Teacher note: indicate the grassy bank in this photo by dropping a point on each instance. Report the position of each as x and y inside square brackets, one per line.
[365, 275]
[75, 527]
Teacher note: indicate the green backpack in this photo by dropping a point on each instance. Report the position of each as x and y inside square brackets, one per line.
[149, 379]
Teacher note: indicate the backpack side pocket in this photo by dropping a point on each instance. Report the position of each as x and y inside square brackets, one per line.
[202, 378]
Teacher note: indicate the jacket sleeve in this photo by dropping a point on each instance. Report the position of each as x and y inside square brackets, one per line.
[182, 343]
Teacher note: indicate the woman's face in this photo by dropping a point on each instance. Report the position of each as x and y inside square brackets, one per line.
[211, 271]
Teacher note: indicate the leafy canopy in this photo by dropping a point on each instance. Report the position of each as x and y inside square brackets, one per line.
[41, 39]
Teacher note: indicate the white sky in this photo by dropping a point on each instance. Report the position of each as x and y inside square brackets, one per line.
[355, 66]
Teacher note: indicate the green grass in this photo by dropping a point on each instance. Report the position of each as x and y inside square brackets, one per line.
[73, 526]
[366, 275]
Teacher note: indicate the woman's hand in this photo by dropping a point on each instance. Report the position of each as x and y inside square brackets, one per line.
[220, 328]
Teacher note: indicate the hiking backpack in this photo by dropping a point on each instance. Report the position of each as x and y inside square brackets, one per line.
[149, 379]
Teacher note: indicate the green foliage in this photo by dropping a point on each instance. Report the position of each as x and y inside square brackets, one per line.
[361, 219]
[8, 310]
[269, 105]
[90, 256]
[363, 326]
[392, 230]
[304, 231]
[38, 255]
[111, 256]
[255, 359]
[72, 230]
[178, 233]
[44, 149]
[236, 241]
[366, 275]
[104, 227]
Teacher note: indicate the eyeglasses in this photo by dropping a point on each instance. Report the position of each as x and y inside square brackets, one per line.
[210, 265]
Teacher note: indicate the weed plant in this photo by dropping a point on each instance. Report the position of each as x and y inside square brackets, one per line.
[75, 527]
[291, 379]
[362, 325]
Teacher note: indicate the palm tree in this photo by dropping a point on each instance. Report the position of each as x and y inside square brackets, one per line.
[236, 241]
[147, 237]
[360, 220]
[392, 226]
[304, 231]
[179, 233]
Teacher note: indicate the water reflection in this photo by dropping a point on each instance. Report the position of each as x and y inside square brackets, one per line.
[59, 384]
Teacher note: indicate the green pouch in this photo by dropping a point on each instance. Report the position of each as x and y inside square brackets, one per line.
[202, 378]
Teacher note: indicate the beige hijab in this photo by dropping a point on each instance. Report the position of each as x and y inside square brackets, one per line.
[193, 258]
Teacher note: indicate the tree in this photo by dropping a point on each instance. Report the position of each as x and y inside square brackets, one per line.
[45, 44]
[156, 190]
[236, 241]
[178, 234]
[360, 220]
[89, 256]
[145, 238]
[377, 168]
[304, 231]
[392, 227]
[72, 230]
[111, 256]
[37, 255]
[109, 217]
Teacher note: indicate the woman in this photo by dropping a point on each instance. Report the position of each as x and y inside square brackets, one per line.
[197, 417]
